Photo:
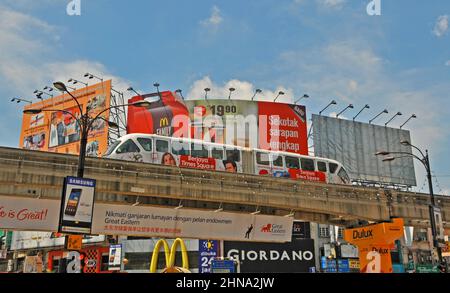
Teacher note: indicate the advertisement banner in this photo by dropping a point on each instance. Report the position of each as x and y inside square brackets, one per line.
[77, 205]
[207, 251]
[33, 240]
[58, 131]
[349, 251]
[115, 257]
[183, 223]
[294, 257]
[18, 213]
[307, 175]
[252, 124]
[301, 230]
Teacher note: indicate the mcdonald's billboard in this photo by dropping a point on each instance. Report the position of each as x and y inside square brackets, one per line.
[267, 125]
[58, 131]
[170, 257]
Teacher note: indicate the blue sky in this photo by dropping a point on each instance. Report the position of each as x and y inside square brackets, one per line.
[329, 49]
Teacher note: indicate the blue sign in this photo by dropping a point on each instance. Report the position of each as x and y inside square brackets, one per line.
[207, 251]
[223, 266]
[343, 266]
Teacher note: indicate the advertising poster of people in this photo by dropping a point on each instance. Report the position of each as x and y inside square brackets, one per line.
[58, 131]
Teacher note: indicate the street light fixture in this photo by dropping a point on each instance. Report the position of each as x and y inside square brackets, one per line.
[206, 92]
[85, 122]
[365, 107]
[178, 91]
[156, 85]
[75, 81]
[333, 102]
[385, 111]
[304, 97]
[18, 100]
[425, 160]
[91, 76]
[348, 107]
[131, 89]
[232, 89]
[412, 116]
[280, 93]
[258, 91]
[397, 114]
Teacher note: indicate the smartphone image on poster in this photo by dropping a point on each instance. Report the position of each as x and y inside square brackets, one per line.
[73, 202]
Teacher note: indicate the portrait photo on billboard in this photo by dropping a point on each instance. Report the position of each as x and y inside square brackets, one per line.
[77, 205]
[35, 142]
[64, 128]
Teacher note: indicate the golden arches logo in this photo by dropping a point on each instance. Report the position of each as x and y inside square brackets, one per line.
[170, 255]
[164, 122]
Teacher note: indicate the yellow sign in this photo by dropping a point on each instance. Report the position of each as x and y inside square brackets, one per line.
[164, 122]
[74, 242]
[170, 256]
[374, 243]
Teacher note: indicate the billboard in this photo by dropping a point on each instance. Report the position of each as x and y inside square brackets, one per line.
[32, 240]
[58, 131]
[264, 125]
[174, 223]
[354, 144]
[294, 257]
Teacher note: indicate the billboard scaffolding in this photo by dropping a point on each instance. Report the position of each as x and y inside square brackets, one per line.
[354, 144]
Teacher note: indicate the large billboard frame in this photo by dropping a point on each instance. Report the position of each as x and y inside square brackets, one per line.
[354, 144]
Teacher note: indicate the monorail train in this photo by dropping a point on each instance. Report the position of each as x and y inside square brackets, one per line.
[192, 153]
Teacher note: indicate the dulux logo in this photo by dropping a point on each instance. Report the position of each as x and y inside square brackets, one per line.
[374, 8]
[362, 234]
[74, 8]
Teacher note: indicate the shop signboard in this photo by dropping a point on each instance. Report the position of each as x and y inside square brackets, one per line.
[77, 205]
[223, 266]
[293, 257]
[301, 230]
[207, 251]
[343, 266]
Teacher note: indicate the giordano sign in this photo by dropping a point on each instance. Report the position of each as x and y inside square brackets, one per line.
[170, 255]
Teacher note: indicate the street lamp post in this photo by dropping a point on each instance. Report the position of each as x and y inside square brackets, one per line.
[425, 160]
[85, 122]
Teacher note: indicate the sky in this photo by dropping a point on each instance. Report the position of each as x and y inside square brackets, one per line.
[328, 49]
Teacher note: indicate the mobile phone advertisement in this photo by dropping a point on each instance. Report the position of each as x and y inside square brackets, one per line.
[77, 205]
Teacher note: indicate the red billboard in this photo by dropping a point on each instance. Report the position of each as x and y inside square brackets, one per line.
[263, 125]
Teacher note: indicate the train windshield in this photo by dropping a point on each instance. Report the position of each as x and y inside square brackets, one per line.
[344, 176]
[112, 147]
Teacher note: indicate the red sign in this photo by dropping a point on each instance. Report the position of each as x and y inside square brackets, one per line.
[197, 163]
[307, 175]
[283, 128]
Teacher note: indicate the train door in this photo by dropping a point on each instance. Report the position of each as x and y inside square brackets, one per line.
[277, 165]
[162, 154]
[262, 163]
[323, 168]
[217, 153]
[292, 166]
[128, 151]
[146, 146]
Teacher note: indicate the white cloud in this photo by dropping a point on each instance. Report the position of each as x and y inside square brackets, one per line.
[331, 4]
[441, 26]
[244, 91]
[214, 20]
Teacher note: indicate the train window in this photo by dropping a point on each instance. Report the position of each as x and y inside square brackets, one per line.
[180, 148]
[146, 143]
[217, 153]
[333, 168]
[199, 151]
[307, 164]
[292, 163]
[277, 160]
[262, 158]
[322, 166]
[128, 147]
[162, 146]
[112, 147]
[233, 155]
[344, 176]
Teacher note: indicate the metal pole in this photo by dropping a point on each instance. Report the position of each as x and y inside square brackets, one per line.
[83, 143]
[433, 221]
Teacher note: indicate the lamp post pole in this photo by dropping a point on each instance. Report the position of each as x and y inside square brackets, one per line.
[83, 144]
